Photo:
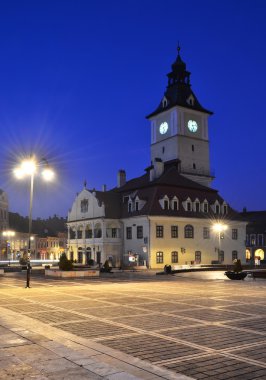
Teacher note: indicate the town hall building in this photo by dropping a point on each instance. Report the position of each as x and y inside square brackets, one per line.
[170, 215]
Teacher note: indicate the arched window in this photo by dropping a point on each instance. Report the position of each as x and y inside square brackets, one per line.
[259, 254]
[97, 231]
[248, 255]
[88, 232]
[72, 233]
[189, 231]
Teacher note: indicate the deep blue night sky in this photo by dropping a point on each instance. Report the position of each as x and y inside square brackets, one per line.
[78, 77]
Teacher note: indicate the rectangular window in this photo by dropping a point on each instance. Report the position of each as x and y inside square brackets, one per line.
[198, 257]
[174, 231]
[159, 231]
[217, 209]
[252, 239]
[80, 257]
[129, 232]
[197, 207]
[234, 255]
[166, 205]
[260, 239]
[221, 256]
[79, 234]
[137, 206]
[175, 205]
[206, 232]
[88, 234]
[84, 205]
[174, 257]
[129, 207]
[139, 232]
[159, 257]
[234, 233]
[189, 206]
[114, 232]
[205, 207]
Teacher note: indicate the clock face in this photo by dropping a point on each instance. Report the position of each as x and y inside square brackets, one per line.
[163, 128]
[192, 125]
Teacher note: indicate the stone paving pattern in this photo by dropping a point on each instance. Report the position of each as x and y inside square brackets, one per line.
[199, 328]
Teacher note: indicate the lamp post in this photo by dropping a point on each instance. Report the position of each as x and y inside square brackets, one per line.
[8, 234]
[30, 167]
[219, 228]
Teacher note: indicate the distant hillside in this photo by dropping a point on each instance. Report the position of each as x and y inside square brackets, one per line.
[42, 227]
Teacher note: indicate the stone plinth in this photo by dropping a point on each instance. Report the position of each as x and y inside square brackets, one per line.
[72, 273]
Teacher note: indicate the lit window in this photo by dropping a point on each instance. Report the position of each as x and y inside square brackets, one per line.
[159, 257]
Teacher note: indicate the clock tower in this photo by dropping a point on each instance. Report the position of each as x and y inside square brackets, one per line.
[179, 127]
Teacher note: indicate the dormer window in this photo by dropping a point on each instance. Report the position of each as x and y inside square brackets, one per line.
[197, 206]
[191, 100]
[136, 206]
[166, 204]
[205, 207]
[129, 207]
[164, 102]
[189, 206]
[225, 209]
[217, 209]
[175, 205]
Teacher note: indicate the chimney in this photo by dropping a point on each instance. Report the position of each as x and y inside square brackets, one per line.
[121, 178]
[103, 188]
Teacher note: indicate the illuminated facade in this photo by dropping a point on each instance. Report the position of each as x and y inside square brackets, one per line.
[167, 215]
[50, 247]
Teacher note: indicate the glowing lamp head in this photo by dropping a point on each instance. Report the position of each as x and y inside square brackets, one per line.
[28, 167]
[219, 227]
[48, 174]
[18, 173]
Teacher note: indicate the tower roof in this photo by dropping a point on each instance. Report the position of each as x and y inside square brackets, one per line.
[178, 91]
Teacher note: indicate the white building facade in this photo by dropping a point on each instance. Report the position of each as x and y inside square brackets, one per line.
[170, 215]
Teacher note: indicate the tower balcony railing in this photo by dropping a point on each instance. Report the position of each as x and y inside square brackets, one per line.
[198, 171]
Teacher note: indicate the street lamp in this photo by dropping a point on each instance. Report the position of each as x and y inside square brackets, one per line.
[30, 167]
[219, 228]
[8, 234]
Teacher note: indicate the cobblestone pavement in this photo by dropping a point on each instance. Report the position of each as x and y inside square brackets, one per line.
[199, 327]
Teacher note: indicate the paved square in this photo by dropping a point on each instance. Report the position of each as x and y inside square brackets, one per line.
[198, 327]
